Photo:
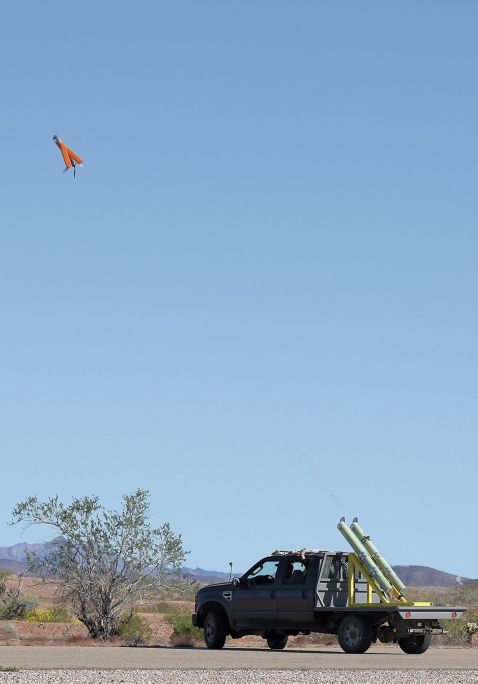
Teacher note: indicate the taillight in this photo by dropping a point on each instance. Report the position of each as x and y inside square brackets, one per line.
[408, 615]
[453, 615]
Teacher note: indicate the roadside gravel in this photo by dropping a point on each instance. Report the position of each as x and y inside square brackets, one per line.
[241, 677]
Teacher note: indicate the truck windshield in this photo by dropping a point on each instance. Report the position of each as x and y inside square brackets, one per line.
[263, 573]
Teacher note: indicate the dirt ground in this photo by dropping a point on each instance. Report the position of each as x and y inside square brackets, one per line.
[43, 592]
[21, 633]
[18, 633]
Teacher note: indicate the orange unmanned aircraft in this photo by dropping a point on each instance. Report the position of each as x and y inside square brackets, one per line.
[71, 159]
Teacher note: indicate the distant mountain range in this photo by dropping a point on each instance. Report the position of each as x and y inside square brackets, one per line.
[19, 552]
[422, 576]
[14, 558]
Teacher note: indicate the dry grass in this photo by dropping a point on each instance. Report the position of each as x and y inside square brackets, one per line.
[43, 592]
[39, 633]
[466, 595]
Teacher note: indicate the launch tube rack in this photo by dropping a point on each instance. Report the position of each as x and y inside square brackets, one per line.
[381, 578]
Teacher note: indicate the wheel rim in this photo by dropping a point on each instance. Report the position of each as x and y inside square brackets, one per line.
[209, 630]
[352, 634]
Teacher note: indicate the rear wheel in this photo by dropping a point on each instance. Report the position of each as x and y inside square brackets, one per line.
[277, 641]
[215, 629]
[355, 634]
[415, 644]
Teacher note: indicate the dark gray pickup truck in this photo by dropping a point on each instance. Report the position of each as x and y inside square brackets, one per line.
[290, 593]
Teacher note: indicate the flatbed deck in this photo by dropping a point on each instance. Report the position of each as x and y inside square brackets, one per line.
[409, 612]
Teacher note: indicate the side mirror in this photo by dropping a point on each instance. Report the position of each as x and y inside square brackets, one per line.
[236, 582]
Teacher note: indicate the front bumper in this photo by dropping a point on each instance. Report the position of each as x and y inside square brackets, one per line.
[195, 619]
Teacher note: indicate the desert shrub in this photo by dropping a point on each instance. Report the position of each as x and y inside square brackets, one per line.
[460, 632]
[455, 633]
[133, 631]
[179, 590]
[160, 607]
[13, 604]
[471, 629]
[16, 607]
[56, 614]
[105, 560]
[8, 630]
[163, 607]
[183, 631]
[8, 668]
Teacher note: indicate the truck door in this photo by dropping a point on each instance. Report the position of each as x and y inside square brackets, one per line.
[295, 592]
[254, 600]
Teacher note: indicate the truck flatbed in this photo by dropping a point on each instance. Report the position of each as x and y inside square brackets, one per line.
[410, 612]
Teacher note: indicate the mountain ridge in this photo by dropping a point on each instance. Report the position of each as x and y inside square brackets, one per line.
[14, 558]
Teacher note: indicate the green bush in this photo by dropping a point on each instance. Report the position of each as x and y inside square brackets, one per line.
[460, 632]
[16, 607]
[183, 631]
[55, 614]
[13, 604]
[134, 631]
[455, 632]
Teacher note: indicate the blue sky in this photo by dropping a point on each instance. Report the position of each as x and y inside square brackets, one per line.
[258, 297]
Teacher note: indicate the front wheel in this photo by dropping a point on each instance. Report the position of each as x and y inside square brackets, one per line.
[415, 644]
[355, 634]
[277, 641]
[215, 629]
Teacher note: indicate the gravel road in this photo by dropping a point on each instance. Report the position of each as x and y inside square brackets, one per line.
[242, 677]
[246, 665]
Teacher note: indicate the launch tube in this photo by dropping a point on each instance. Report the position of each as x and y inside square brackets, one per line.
[365, 559]
[379, 560]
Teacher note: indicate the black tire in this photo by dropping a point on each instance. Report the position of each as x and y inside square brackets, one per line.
[277, 641]
[215, 629]
[355, 634]
[415, 644]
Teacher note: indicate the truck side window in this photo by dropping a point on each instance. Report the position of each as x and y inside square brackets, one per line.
[263, 573]
[295, 572]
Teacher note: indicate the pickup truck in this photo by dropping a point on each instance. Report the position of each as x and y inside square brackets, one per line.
[290, 593]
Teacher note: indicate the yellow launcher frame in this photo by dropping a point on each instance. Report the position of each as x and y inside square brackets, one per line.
[372, 586]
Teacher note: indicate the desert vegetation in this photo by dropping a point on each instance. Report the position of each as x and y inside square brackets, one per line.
[102, 561]
[133, 630]
[44, 621]
[183, 634]
[162, 621]
[56, 614]
[458, 632]
[14, 604]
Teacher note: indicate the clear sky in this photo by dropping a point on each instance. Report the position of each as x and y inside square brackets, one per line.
[258, 297]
